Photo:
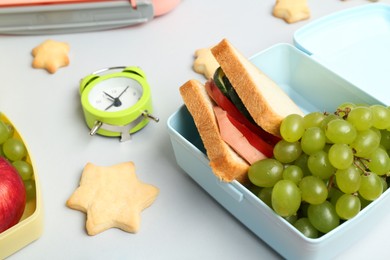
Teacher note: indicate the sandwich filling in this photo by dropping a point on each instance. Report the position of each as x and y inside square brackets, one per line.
[236, 126]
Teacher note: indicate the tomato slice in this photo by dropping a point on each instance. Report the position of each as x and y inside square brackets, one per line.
[222, 101]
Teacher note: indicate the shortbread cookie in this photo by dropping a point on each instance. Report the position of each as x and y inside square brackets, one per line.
[51, 55]
[291, 10]
[112, 197]
[205, 63]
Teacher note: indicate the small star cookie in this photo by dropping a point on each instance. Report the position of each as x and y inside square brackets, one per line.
[205, 63]
[50, 55]
[291, 10]
[112, 197]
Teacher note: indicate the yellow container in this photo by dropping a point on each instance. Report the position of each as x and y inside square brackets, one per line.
[30, 227]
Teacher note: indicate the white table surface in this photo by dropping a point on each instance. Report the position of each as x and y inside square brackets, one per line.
[184, 222]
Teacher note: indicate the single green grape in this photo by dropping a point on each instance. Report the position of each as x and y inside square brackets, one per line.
[370, 187]
[293, 173]
[385, 139]
[320, 166]
[14, 149]
[292, 128]
[291, 219]
[29, 185]
[265, 195]
[381, 116]
[366, 142]
[301, 162]
[306, 228]
[348, 206]
[328, 118]
[379, 162]
[364, 203]
[286, 198]
[384, 183]
[340, 131]
[313, 140]
[340, 156]
[325, 122]
[265, 173]
[333, 195]
[313, 190]
[313, 119]
[323, 216]
[253, 188]
[345, 105]
[361, 118]
[348, 180]
[287, 152]
[11, 130]
[24, 169]
[5, 132]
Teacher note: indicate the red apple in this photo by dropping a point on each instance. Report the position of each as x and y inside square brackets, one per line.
[12, 195]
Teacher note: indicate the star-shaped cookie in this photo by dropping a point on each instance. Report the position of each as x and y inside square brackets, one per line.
[291, 10]
[50, 55]
[112, 197]
[205, 63]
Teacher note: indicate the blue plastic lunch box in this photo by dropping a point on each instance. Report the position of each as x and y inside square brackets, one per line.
[341, 57]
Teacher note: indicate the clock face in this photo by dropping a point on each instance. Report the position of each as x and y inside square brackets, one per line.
[115, 94]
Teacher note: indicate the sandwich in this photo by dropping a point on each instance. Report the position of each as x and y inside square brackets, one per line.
[237, 113]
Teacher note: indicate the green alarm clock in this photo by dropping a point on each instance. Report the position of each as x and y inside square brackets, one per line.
[116, 101]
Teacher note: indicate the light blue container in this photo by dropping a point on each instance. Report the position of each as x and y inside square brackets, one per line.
[314, 87]
[354, 44]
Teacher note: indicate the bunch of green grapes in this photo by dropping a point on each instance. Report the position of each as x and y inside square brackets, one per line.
[14, 150]
[327, 167]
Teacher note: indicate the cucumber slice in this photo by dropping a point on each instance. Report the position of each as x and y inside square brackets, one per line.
[218, 79]
[227, 89]
[233, 96]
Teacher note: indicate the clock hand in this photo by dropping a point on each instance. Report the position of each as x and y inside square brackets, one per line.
[116, 101]
[110, 98]
[122, 92]
[108, 95]
[110, 106]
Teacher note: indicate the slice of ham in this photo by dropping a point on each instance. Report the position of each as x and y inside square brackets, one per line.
[223, 102]
[235, 139]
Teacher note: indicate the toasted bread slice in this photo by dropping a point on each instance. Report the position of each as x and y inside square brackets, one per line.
[267, 103]
[224, 161]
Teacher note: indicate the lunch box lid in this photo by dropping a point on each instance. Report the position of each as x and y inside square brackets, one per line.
[355, 44]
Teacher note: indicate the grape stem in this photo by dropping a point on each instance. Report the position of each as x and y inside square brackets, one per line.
[343, 112]
[362, 163]
[331, 182]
